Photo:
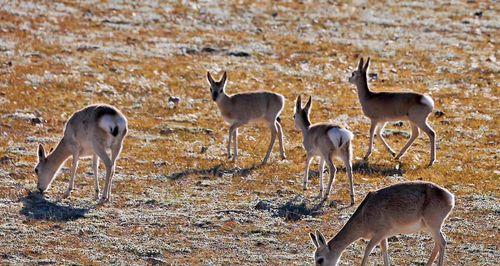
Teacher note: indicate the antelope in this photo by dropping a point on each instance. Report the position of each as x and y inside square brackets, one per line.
[382, 107]
[243, 108]
[324, 140]
[404, 208]
[90, 131]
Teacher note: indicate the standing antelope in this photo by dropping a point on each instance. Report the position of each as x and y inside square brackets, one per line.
[89, 132]
[324, 140]
[403, 208]
[242, 108]
[382, 107]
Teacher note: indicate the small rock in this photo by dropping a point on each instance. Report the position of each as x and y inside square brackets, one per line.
[156, 261]
[208, 50]
[174, 99]
[203, 149]
[239, 54]
[373, 76]
[274, 14]
[202, 184]
[36, 120]
[190, 51]
[438, 113]
[478, 14]
[333, 204]
[87, 48]
[5, 160]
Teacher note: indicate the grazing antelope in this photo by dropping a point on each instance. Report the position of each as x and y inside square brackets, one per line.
[89, 132]
[382, 107]
[404, 208]
[324, 140]
[243, 108]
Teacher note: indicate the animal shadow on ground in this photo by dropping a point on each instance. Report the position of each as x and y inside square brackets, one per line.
[35, 206]
[363, 167]
[294, 209]
[217, 170]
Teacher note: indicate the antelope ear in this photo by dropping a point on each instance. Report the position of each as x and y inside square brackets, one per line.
[360, 65]
[223, 80]
[308, 104]
[210, 79]
[298, 104]
[365, 68]
[41, 152]
[321, 238]
[314, 240]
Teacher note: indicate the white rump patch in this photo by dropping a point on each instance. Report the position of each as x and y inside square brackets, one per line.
[428, 101]
[109, 122]
[340, 136]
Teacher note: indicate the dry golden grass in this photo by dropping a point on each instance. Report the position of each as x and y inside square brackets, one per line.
[56, 58]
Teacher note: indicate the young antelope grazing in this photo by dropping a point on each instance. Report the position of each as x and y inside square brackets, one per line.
[89, 132]
[403, 208]
[382, 107]
[243, 108]
[324, 140]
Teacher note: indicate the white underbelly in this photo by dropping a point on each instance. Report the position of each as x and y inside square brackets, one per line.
[410, 228]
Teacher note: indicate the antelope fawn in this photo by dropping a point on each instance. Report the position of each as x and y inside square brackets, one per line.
[243, 108]
[89, 132]
[324, 140]
[403, 208]
[382, 107]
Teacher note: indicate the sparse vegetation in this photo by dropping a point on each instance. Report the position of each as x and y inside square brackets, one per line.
[176, 198]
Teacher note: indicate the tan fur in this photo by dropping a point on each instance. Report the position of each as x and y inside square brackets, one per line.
[85, 136]
[243, 108]
[403, 208]
[381, 107]
[317, 142]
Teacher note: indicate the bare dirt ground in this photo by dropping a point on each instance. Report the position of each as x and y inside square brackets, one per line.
[176, 199]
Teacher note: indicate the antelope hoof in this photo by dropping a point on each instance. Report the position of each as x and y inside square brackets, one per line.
[96, 195]
[393, 153]
[103, 200]
[283, 157]
[431, 163]
[67, 194]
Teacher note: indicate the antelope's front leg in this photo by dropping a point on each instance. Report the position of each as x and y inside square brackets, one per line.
[95, 167]
[308, 161]
[373, 127]
[229, 142]
[71, 184]
[321, 170]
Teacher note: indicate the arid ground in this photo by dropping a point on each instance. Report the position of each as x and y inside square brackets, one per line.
[176, 198]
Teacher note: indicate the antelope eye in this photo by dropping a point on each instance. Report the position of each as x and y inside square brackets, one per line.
[36, 171]
[320, 261]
